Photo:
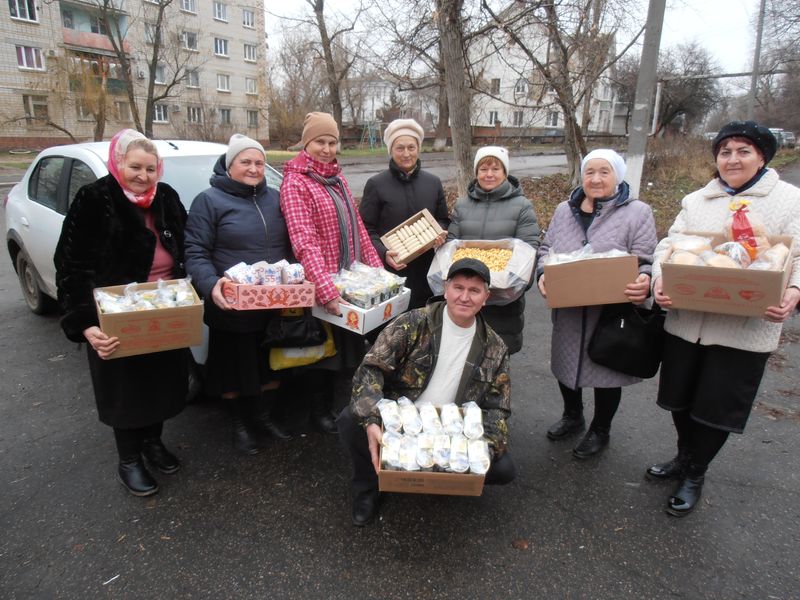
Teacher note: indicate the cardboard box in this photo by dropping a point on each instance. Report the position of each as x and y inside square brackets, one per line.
[363, 320]
[590, 282]
[423, 215]
[430, 482]
[245, 296]
[741, 292]
[147, 331]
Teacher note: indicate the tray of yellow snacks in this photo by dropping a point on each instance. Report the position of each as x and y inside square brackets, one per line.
[510, 263]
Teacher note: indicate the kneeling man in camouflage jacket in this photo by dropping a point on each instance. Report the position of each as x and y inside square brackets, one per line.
[444, 352]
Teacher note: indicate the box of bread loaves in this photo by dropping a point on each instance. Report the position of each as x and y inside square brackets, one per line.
[708, 273]
[413, 237]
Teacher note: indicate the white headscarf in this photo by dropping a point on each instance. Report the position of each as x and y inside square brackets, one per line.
[615, 160]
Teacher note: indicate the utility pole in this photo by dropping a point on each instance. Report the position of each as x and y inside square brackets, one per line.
[645, 87]
[751, 96]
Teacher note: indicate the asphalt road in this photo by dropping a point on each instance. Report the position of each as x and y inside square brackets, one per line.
[277, 525]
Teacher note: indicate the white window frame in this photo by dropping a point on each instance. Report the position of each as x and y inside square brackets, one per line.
[518, 117]
[220, 11]
[552, 118]
[225, 116]
[494, 117]
[185, 37]
[28, 6]
[30, 102]
[30, 58]
[160, 113]
[248, 18]
[252, 119]
[194, 114]
[123, 109]
[189, 6]
[82, 113]
[150, 31]
[160, 77]
[521, 86]
[96, 22]
[223, 82]
[250, 86]
[221, 47]
[192, 78]
[495, 86]
[67, 18]
[250, 53]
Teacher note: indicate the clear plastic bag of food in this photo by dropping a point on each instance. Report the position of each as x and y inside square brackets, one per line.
[425, 450]
[684, 257]
[390, 454]
[452, 421]
[712, 259]
[293, 274]
[431, 423]
[480, 459]
[473, 420]
[390, 414]
[241, 273]
[408, 453]
[690, 243]
[409, 416]
[441, 450]
[459, 453]
[184, 295]
[736, 252]
[772, 259]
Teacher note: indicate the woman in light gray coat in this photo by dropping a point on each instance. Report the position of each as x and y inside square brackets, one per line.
[496, 208]
[600, 212]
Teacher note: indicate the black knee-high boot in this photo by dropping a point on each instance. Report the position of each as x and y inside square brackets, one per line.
[321, 390]
[264, 416]
[571, 420]
[131, 472]
[244, 440]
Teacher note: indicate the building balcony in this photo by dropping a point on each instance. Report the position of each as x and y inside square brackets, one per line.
[86, 40]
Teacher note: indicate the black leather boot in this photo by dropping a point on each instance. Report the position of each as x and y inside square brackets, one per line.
[365, 507]
[592, 443]
[243, 440]
[570, 423]
[156, 453]
[135, 477]
[686, 497]
[322, 417]
[264, 417]
[673, 469]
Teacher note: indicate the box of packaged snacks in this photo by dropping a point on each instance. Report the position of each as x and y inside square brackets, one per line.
[429, 450]
[370, 296]
[150, 317]
[413, 237]
[264, 286]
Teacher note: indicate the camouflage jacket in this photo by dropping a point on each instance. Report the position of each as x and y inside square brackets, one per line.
[402, 361]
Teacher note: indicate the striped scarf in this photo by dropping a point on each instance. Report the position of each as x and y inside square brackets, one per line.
[345, 210]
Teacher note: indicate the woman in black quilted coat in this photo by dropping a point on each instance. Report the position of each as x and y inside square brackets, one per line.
[126, 227]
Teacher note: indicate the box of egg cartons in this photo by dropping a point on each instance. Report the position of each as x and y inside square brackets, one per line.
[413, 237]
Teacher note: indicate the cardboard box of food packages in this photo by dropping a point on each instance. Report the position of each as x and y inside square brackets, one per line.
[245, 296]
[430, 482]
[744, 292]
[364, 320]
[422, 217]
[156, 330]
[590, 281]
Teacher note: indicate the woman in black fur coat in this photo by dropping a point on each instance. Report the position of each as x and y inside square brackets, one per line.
[126, 227]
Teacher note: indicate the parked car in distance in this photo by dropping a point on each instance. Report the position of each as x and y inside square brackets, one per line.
[789, 139]
[36, 206]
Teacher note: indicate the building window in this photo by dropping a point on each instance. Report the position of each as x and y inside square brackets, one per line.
[189, 39]
[161, 75]
[221, 11]
[194, 114]
[84, 114]
[192, 78]
[152, 33]
[160, 113]
[97, 25]
[252, 118]
[220, 47]
[250, 52]
[493, 117]
[23, 9]
[223, 82]
[521, 87]
[552, 118]
[30, 58]
[517, 118]
[495, 86]
[224, 116]
[248, 18]
[123, 111]
[67, 20]
[250, 86]
[35, 108]
[189, 6]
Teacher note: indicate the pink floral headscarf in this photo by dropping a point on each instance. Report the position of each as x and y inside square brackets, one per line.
[116, 158]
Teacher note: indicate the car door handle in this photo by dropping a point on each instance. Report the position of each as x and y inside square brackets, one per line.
[25, 222]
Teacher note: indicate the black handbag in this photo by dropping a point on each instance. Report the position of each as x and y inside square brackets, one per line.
[629, 339]
[294, 328]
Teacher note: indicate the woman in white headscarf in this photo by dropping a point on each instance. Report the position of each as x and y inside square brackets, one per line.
[599, 212]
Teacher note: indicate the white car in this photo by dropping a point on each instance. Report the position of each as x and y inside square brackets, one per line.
[36, 206]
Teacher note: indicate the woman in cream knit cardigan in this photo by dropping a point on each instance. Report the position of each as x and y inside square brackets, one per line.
[713, 363]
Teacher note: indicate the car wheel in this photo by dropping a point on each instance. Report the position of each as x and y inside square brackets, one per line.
[39, 302]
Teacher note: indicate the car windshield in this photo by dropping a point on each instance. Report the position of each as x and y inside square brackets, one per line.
[189, 175]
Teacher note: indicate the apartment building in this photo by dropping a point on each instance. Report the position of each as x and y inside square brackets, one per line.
[61, 74]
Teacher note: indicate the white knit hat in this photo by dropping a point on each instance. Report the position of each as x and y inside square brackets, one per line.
[238, 144]
[400, 127]
[497, 152]
[615, 160]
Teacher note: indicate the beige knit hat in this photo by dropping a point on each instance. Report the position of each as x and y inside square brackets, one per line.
[317, 124]
[238, 144]
[400, 127]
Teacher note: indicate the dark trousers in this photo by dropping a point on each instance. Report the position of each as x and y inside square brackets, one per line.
[354, 439]
[130, 441]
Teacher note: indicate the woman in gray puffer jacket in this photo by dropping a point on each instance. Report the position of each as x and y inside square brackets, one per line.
[496, 208]
[601, 213]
